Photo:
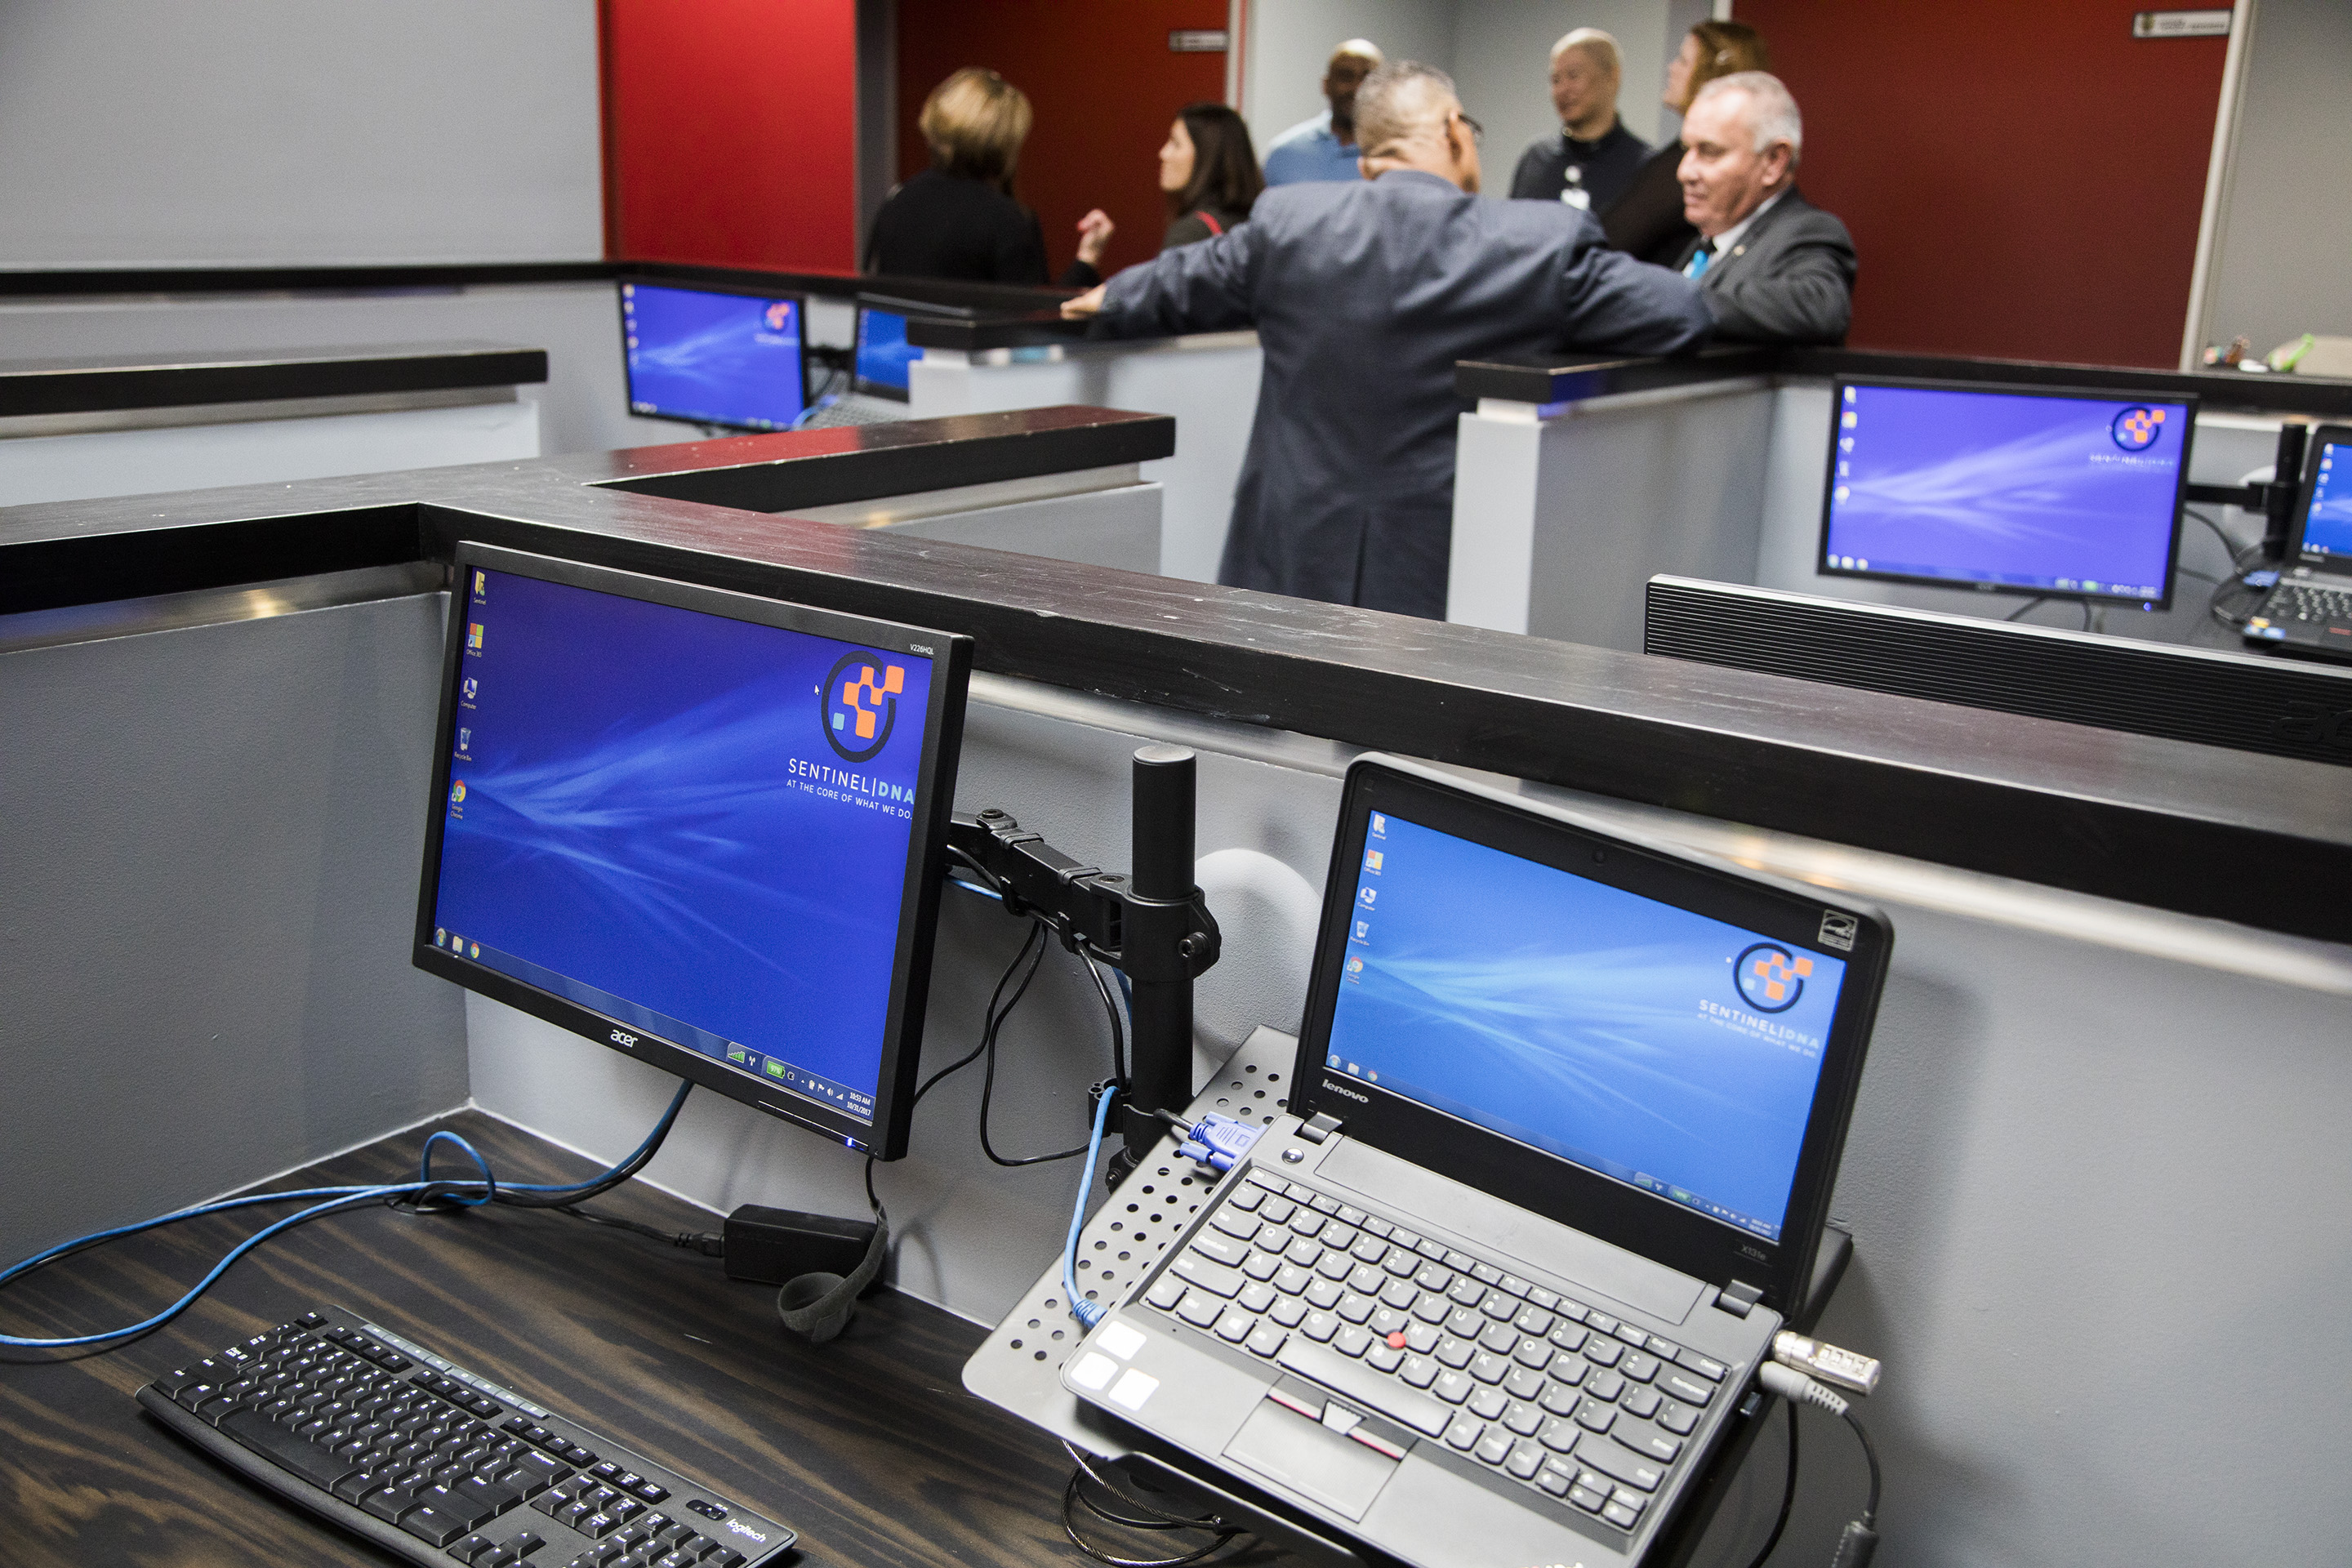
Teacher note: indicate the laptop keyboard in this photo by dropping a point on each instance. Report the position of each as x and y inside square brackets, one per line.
[2308, 601]
[1559, 1397]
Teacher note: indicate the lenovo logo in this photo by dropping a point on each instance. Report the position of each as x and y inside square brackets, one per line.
[621, 1039]
[1345, 1093]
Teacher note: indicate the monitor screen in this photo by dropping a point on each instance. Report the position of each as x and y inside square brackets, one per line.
[882, 353]
[2327, 517]
[1666, 1050]
[713, 358]
[2059, 494]
[699, 827]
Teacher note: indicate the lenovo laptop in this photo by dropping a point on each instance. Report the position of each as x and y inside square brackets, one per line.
[2310, 610]
[1566, 1116]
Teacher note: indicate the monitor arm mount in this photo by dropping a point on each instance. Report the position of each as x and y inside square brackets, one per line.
[2274, 497]
[1153, 925]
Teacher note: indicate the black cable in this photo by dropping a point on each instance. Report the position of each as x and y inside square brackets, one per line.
[1117, 1033]
[709, 1243]
[2087, 625]
[1037, 934]
[1074, 1496]
[1787, 1493]
[988, 1073]
[2029, 604]
[2229, 545]
[1870, 1452]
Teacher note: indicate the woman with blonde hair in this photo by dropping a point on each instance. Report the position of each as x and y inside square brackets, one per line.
[1647, 221]
[958, 218]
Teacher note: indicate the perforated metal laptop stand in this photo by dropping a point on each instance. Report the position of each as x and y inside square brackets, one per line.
[1019, 1367]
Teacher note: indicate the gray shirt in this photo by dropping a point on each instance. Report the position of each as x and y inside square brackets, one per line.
[1364, 296]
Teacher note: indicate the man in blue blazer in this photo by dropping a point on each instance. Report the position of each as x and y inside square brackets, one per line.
[1364, 296]
[1773, 267]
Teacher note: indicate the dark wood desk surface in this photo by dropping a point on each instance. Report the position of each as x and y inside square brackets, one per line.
[867, 1445]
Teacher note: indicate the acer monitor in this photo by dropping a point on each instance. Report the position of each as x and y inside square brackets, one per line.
[882, 353]
[697, 827]
[715, 356]
[2054, 493]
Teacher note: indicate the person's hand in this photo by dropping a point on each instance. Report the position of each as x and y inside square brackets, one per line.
[1086, 304]
[1095, 230]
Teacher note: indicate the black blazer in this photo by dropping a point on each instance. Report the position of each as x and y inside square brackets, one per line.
[1646, 222]
[1789, 280]
[939, 224]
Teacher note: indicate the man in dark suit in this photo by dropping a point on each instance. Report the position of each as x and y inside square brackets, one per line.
[1364, 296]
[1772, 268]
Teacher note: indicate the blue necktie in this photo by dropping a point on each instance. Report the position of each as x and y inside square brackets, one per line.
[1696, 268]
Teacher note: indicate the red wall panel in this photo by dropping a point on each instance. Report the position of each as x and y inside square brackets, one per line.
[731, 133]
[1103, 84]
[2022, 178]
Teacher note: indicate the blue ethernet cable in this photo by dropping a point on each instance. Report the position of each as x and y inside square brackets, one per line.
[1085, 1311]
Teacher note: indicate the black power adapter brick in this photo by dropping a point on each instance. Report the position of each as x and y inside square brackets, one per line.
[775, 1246]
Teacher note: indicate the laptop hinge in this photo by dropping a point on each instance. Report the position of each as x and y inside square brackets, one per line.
[1738, 1297]
[1318, 1127]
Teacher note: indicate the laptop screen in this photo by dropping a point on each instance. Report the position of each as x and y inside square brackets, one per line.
[882, 353]
[1660, 1047]
[2327, 526]
[714, 358]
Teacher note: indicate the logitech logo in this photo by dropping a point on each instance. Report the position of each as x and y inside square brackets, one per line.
[860, 708]
[739, 1528]
[1345, 1093]
[621, 1037]
[1771, 978]
[2137, 428]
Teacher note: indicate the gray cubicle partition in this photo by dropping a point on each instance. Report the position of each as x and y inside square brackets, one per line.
[2098, 1137]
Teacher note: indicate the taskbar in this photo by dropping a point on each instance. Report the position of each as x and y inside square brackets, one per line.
[771, 1071]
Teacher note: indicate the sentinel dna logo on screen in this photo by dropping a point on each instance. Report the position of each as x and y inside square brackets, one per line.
[1769, 977]
[2135, 430]
[861, 706]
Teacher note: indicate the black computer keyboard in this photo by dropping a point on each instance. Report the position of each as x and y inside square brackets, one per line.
[438, 1466]
[1558, 1395]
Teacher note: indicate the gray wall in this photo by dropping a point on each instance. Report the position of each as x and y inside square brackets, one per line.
[206, 888]
[146, 132]
[2279, 268]
[583, 405]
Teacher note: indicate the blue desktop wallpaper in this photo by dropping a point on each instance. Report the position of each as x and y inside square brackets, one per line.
[883, 351]
[644, 801]
[2072, 495]
[724, 359]
[1584, 1020]
[2328, 530]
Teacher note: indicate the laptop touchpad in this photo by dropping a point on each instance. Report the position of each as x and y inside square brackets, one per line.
[1311, 1460]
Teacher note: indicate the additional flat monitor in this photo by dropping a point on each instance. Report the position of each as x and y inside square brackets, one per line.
[711, 356]
[2322, 541]
[2009, 489]
[698, 827]
[882, 353]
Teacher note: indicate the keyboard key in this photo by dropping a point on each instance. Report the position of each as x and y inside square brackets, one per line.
[1690, 1390]
[1524, 1460]
[1524, 1382]
[1523, 1418]
[1709, 1369]
[1493, 1448]
[1603, 1352]
[1600, 1323]
[1371, 1389]
[1420, 1371]
[1559, 1399]
[1335, 1265]
[1605, 1385]
[1572, 1311]
[1216, 1279]
[1559, 1436]
[1640, 1367]
[1290, 1279]
[1432, 1308]
[1288, 1311]
[1623, 1464]
[1569, 1338]
[1324, 1294]
[1262, 1265]
[1265, 1339]
[1533, 1353]
[1257, 1296]
[1648, 1441]
[1235, 1326]
[1165, 1292]
[1556, 1482]
[1595, 1417]
[1488, 1403]
[1200, 1308]
[286, 1451]
[1352, 1341]
[1488, 1367]
[1464, 1433]
[1643, 1402]
[1500, 1338]
[1239, 1226]
[1453, 1353]
[432, 1525]
[1219, 1248]
[1617, 1514]
[1676, 1418]
[1319, 1327]
[1587, 1498]
[1452, 1387]
[1247, 1198]
[1383, 1356]
[1353, 1308]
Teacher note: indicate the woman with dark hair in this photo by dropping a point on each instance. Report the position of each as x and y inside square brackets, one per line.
[1647, 221]
[1208, 173]
[958, 218]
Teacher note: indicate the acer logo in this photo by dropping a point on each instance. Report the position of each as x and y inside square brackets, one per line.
[621, 1037]
[2315, 725]
[1346, 1093]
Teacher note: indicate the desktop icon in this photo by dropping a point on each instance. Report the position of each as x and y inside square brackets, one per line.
[1372, 862]
[440, 937]
[1371, 1077]
[469, 686]
[481, 585]
[474, 636]
[775, 1068]
[1363, 930]
[458, 792]
[860, 705]
[1366, 897]
[1355, 966]
[465, 739]
[779, 315]
[1849, 419]
[1379, 826]
[473, 949]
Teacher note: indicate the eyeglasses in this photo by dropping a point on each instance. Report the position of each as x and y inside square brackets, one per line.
[1477, 131]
